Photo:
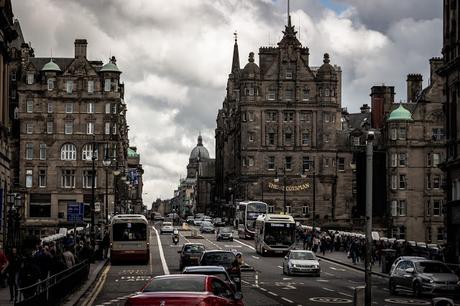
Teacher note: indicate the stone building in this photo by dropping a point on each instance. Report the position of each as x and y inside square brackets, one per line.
[135, 174]
[70, 113]
[280, 121]
[450, 70]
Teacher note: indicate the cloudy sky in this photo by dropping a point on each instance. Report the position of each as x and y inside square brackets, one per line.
[176, 55]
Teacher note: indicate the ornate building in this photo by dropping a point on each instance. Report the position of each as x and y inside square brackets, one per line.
[281, 121]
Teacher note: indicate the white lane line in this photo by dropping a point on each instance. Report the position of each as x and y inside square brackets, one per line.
[323, 280]
[246, 245]
[287, 300]
[255, 257]
[272, 293]
[330, 274]
[263, 289]
[327, 289]
[349, 295]
[162, 255]
[256, 280]
[280, 267]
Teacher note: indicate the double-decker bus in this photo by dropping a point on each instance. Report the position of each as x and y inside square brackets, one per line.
[247, 213]
[274, 234]
[129, 238]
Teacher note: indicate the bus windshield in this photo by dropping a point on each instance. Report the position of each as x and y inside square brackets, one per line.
[253, 211]
[279, 234]
[129, 232]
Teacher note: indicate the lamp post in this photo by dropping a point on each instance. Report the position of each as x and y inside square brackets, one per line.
[106, 163]
[115, 173]
[13, 233]
[368, 262]
[284, 188]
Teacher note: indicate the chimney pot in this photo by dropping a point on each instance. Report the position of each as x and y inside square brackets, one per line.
[80, 48]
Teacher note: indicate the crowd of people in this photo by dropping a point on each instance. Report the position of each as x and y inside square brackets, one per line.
[40, 260]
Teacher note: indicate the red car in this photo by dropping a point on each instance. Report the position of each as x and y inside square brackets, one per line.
[186, 290]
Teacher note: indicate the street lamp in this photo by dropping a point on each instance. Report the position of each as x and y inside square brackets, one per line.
[93, 177]
[13, 238]
[284, 188]
[115, 173]
[368, 262]
[106, 162]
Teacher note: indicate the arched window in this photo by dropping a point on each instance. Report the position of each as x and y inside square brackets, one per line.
[87, 152]
[68, 152]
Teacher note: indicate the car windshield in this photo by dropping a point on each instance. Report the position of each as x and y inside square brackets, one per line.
[302, 256]
[194, 248]
[212, 259]
[225, 230]
[221, 275]
[167, 224]
[176, 284]
[431, 267]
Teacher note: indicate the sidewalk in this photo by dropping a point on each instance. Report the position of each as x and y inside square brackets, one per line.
[340, 257]
[71, 300]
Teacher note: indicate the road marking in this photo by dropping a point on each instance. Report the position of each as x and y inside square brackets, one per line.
[330, 274]
[256, 280]
[255, 257]
[287, 300]
[337, 269]
[272, 293]
[162, 255]
[328, 289]
[263, 289]
[98, 287]
[345, 294]
[323, 280]
[280, 267]
[287, 278]
[246, 245]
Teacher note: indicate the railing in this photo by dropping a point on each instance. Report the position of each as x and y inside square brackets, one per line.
[53, 289]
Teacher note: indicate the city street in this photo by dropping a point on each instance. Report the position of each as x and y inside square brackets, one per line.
[265, 286]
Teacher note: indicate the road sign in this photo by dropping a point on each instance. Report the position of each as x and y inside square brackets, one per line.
[75, 212]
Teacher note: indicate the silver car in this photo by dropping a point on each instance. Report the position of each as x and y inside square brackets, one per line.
[301, 262]
[167, 228]
[422, 276]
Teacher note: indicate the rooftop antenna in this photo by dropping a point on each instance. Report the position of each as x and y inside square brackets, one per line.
[51, 54]
[288, 12]
[235, 34]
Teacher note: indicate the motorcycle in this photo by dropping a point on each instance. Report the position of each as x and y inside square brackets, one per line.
[175, 237]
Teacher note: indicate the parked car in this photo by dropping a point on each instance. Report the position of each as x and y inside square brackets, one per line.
[301, 262]
[218, 271]
[225, 259]
[207, 219]
[207, 227]
[166, 228]
[190, 220]
[397, 260]
[218, 222]
[422, 276]
[224, 233]
[190, 254]
[181, 289]
[198, 220]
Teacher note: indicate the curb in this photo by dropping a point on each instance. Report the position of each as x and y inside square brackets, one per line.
[352, 266]
[76, 296]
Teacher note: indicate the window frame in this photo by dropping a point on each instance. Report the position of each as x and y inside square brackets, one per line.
[68, 151]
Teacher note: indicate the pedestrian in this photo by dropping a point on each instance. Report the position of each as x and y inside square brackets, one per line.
[12, 271]
[105, 245]
[29, 274]
[3, 264]
[69, 258]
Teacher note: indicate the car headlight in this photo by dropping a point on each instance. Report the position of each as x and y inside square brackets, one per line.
[427, 280]
[458, 283]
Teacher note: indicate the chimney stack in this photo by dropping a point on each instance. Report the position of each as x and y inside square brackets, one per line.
[80, 48]
[365, 109]
[414, 86]
[382, 97]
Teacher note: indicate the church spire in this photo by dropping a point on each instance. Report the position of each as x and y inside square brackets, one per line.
[236, 57]
[289, 13]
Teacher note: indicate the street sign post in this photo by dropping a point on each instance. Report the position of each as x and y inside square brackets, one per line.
[75, 212]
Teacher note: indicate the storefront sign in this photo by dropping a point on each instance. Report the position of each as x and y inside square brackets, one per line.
[289, 188]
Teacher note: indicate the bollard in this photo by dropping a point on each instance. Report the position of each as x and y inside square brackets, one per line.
[442, 302]
[358, 296]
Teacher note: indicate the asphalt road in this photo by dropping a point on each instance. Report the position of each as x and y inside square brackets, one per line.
[265, 286]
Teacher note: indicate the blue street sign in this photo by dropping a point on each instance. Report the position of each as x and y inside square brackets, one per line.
[75, 212]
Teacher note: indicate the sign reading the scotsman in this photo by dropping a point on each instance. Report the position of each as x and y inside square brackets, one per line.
[301, 187]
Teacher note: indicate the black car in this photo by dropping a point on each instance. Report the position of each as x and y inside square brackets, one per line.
[224, 233]
[190, 254]
[226, 259]
[218, 271]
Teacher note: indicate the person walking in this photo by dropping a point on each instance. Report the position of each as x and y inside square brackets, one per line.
[12, 271]
[105, 245]
[69, 258]
[3, 265]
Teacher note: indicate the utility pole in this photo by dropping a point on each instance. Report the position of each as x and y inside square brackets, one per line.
[368, 261]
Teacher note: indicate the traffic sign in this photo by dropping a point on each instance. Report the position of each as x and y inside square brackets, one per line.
[75, 212]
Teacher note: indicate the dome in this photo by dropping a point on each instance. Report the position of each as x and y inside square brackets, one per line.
[51, 66]
[326, 71]
[400, 114]
[251, 69]
[111, 66]
[199, 152]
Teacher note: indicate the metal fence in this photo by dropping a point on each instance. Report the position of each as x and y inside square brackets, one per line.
[53, 289]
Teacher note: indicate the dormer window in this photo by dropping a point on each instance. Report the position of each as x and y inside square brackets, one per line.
[69, 86]
[289, 74]
[107, 85]
[30, 78]
[50, 84]
[90, 86]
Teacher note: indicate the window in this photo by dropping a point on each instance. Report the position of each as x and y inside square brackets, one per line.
[249, 91]
[114, 108]
[50, 84]
[271, 163]
[327, 92]
[304, 117]
[68, 152]
[402, 133]
[43, 151]
[437, 207]
[29, 128]
[399, 232]
[50, 107]
[394, 134]
[305, 210]
[107, 85]
[289, 94]
[250, 161]
[305, 163]
[29, 151]
[90, 128]
[288, 209]
[288, 138]
[437, 134]
[107, 128]
[88, 179]
[356, 140]
[440, 233]
[288, 74]
[69, 108]
[327, 117]
[288, 162]
[271, 116]
[49, 127]
[42, 178]
[402, 181]
[402, 159]
[30, 106]
[30, 78]
[305, 94]
[341, 164]
[87, 152]
[325, 162]
[114, 129]
[436, 182]
[398, 208]
[69, 86]
[251, 116]
[326, 137]
[29, 178]
[394, 182]
[68, 178]
[251, 137]
[107, 108]
[305, 139]
[40, 206]
[244, 116]
[68, 128]
[90, 86]
[90, 108]
[271, 209]
[271, 138]
[436, 159]
[288, 116]
[394, 159]
[271, 95]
